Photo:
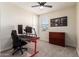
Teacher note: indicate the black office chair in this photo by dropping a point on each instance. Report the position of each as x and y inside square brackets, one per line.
[17, 43]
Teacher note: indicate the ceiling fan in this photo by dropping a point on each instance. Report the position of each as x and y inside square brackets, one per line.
[42, 4]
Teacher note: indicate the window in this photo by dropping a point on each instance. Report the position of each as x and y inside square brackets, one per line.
[44, 23]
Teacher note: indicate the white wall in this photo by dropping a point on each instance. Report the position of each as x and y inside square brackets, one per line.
[78, 28]
[11, 16]
[0, 26]
[70, 30]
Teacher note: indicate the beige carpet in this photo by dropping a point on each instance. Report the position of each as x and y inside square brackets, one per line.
[46, 50]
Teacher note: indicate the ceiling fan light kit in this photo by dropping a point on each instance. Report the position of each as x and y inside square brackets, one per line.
[41, 7]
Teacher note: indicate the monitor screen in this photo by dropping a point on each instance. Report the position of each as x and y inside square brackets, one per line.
[28, 29]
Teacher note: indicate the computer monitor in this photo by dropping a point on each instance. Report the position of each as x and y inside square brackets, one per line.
[20, 29]
[28, 29]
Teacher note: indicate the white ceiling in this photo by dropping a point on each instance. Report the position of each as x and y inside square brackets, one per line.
[37, 10]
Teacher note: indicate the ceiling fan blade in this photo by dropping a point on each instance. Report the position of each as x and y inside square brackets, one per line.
[38, 2]
[36, 6]
[48, 6]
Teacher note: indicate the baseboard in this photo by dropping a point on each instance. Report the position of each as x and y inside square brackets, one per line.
[45, 41]
[69, 46]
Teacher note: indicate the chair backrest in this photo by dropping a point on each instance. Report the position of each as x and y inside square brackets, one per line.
[14, 37]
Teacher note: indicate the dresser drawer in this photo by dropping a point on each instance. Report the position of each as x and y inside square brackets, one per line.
[55, 35]
[57, 38]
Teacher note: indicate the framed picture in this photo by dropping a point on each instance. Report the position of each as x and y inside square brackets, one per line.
[57, 22]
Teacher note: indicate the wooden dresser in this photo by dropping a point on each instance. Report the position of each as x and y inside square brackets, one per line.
[57, 38]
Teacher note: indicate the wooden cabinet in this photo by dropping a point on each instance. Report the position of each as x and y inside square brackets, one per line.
[57, 38]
